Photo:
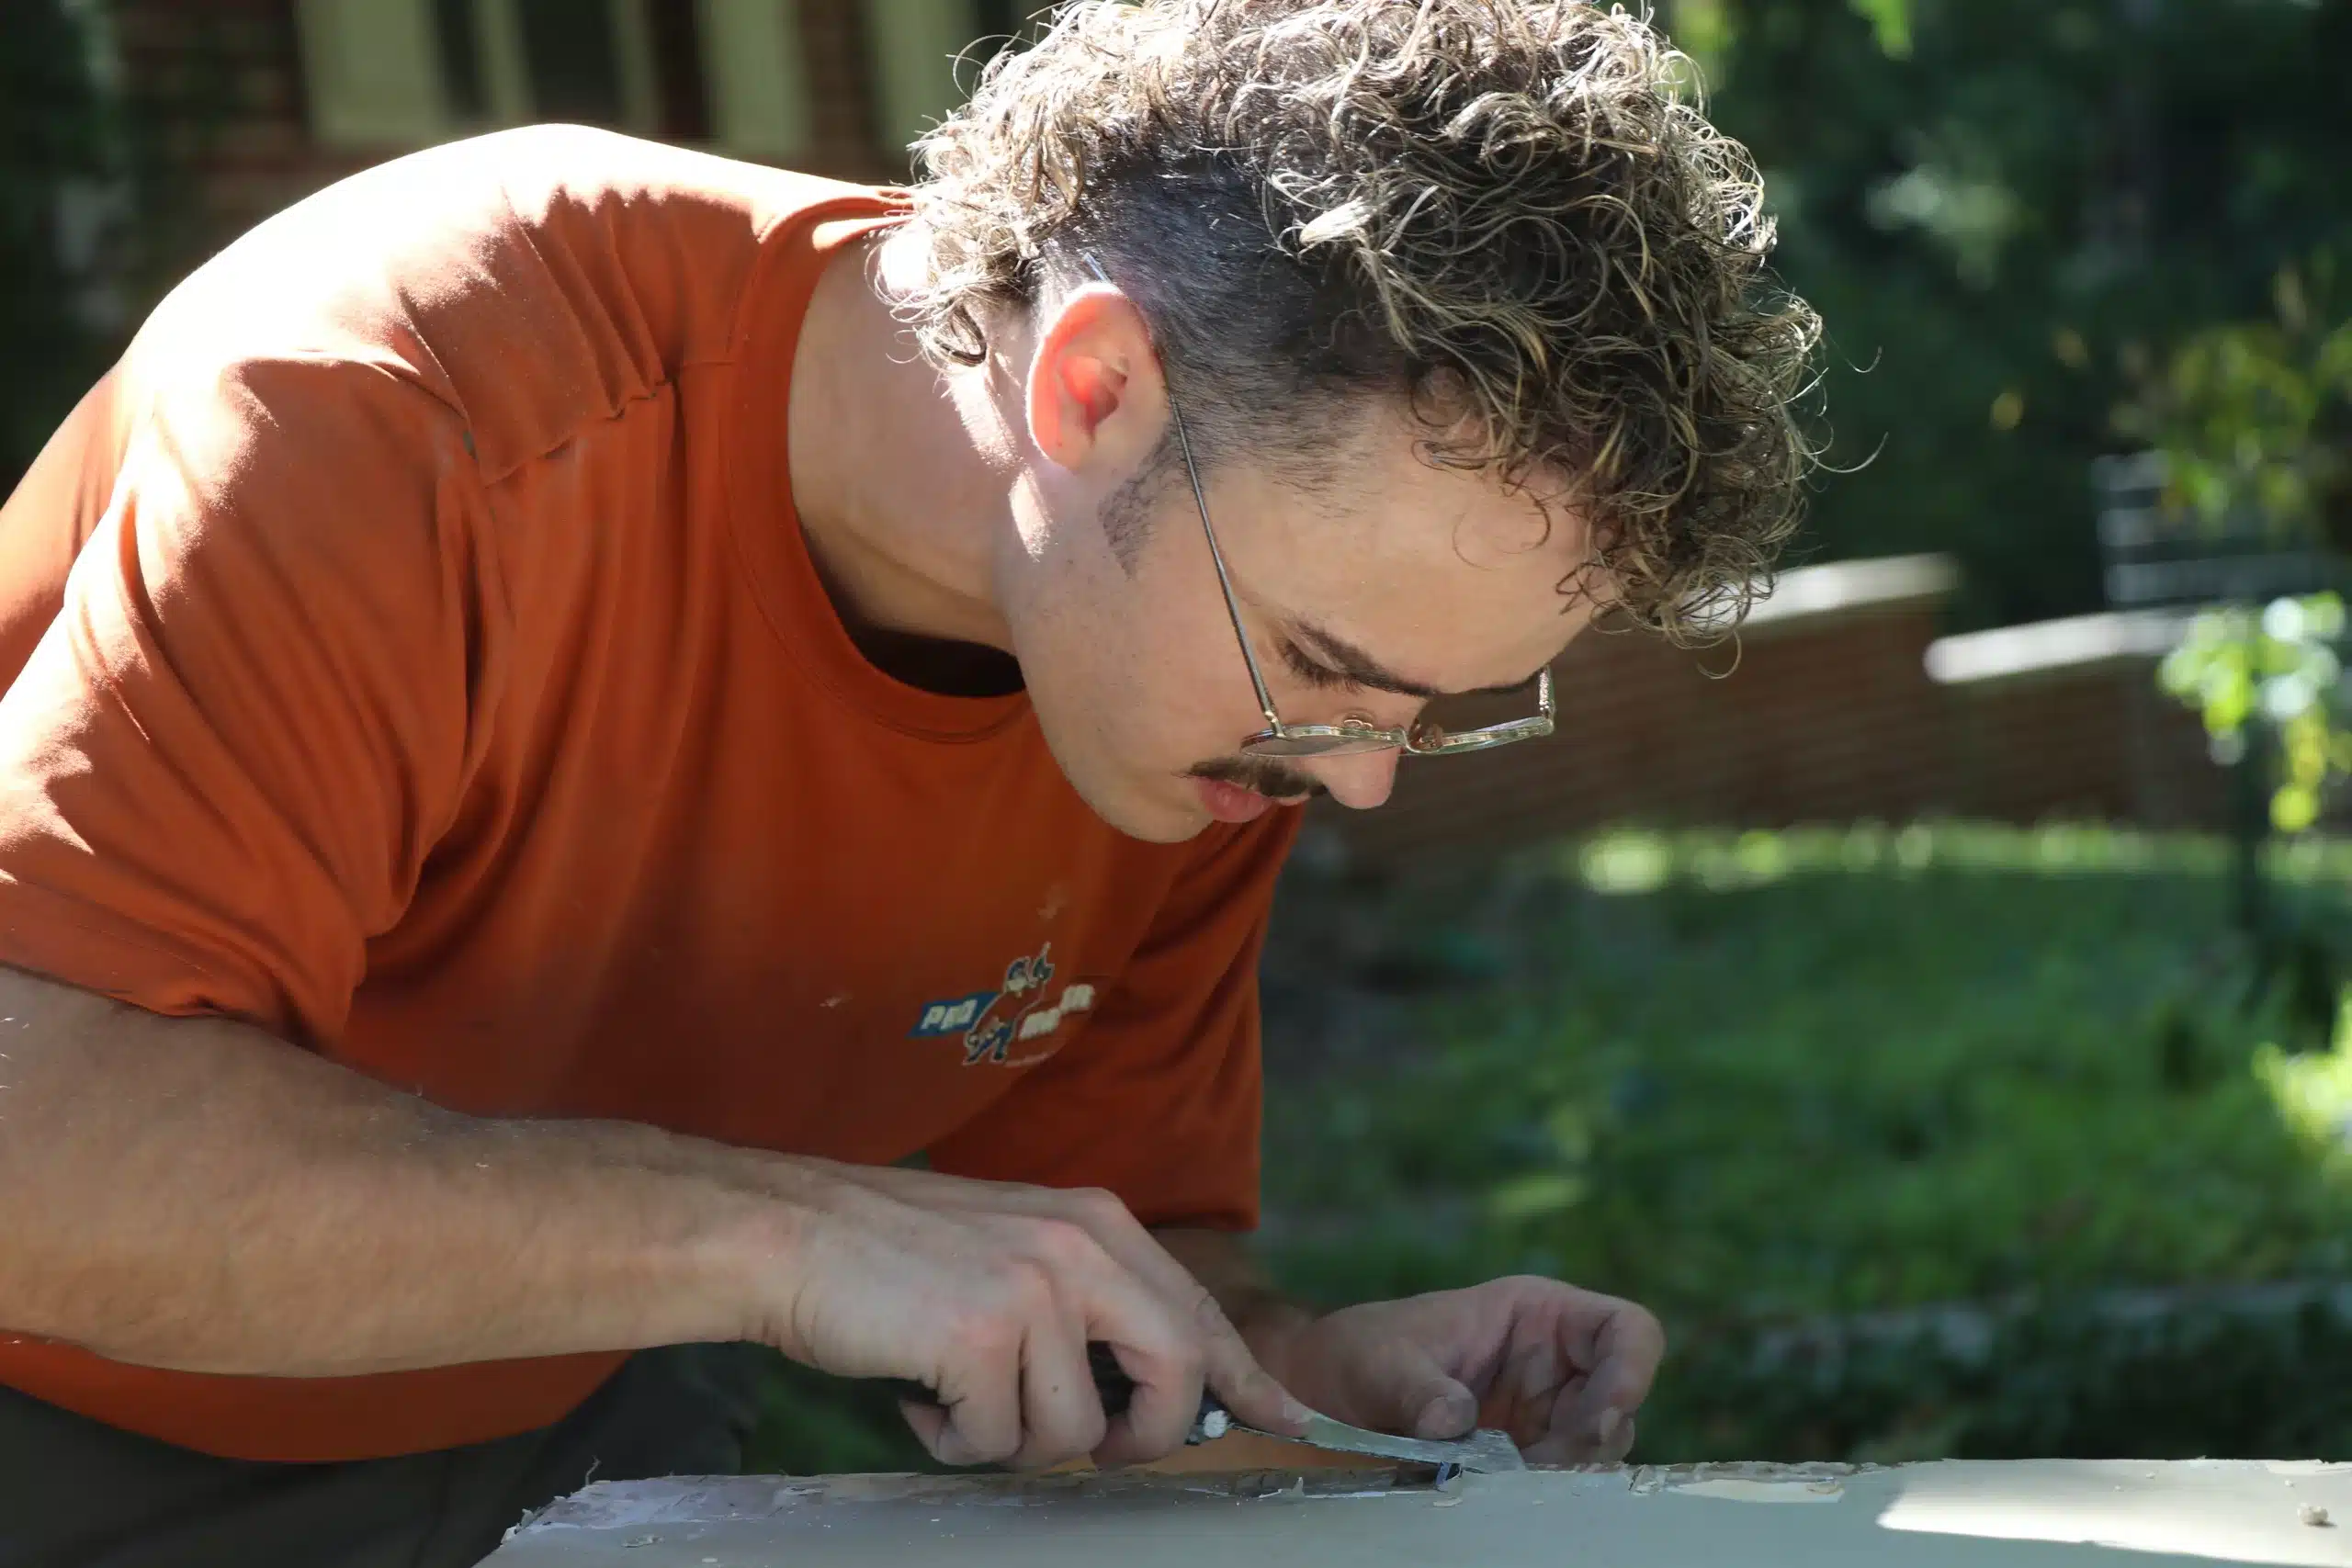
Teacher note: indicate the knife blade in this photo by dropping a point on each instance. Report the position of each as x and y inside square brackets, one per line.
[1486, 1450]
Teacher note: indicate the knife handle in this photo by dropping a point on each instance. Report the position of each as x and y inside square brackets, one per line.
[1116, 1390]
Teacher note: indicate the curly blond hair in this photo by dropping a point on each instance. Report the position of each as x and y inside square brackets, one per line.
[1512, 213]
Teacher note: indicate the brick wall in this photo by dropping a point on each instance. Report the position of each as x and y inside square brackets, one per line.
[1831, 714]
[216, 90]
[842, 117]
[2099, 741]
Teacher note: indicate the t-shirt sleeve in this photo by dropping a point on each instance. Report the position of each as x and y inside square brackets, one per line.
[228, 756]
[1161, 1100]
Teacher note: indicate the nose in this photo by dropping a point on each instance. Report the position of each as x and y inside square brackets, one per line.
[1361, 782]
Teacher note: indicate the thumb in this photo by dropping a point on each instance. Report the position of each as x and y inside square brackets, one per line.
[1404, 1390]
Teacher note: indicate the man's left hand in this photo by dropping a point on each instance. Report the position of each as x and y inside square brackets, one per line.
[1559, 1369]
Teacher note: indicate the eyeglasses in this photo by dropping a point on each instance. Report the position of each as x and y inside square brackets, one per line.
[1349, 736]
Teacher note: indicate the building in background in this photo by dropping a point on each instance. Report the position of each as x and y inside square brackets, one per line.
[1847, 702]
[844, 84]
[245, 106]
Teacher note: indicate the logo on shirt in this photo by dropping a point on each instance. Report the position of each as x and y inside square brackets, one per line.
[992, 1022]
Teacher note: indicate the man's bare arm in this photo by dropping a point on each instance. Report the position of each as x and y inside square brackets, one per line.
[194, 1193]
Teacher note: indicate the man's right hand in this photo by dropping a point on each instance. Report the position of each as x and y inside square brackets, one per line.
[988, 1293]
[375, 1232]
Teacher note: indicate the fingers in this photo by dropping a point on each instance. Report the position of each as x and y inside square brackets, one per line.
[928, 1422]
[1062, 1410]
[989, 1294]
[1167, 1399]
[1249, 1391]
[1219, 1360]
[978, 1418]
[1405, 1390]
[1102, 1300]
[1520, 1400]
[1623, 1346]
[1618, 1345]
[1225, 1359]
[1616, 1437]
[1147, 1332]
[1012, 1377]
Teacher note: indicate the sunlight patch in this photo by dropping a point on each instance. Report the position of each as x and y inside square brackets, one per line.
[1627, 863]
[2312, 1089]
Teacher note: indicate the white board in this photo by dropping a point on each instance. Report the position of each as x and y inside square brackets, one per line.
[1955, 1513]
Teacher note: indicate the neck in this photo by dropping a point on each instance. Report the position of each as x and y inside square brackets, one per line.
[891, 473]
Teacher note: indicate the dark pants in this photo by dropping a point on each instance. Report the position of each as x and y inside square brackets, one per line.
[76, 1493]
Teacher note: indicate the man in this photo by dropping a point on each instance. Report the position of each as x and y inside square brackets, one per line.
[577, 704]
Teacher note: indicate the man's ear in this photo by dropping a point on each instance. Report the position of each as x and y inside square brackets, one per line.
[1095, 397]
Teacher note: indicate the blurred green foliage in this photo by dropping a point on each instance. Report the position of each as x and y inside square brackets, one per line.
[2254, 422]
[2255, 418]
[2010, 212]
[1764, 1079]
[2276, 673]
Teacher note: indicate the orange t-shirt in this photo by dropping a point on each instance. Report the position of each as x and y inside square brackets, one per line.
[415, 653]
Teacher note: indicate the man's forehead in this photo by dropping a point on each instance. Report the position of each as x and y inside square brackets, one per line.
[1366, 669]
[1438, 582]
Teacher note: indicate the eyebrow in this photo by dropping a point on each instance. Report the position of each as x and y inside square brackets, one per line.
[1362, 668]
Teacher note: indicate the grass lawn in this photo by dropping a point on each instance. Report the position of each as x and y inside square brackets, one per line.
[1762, 1078]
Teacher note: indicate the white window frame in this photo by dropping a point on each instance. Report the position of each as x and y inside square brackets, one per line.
[914, 49]
[506, 77]
[757, 78]
[373, 71]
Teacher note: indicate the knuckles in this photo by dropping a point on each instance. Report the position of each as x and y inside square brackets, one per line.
[1100, 1210]
[1066, 1243]
[987, 1332]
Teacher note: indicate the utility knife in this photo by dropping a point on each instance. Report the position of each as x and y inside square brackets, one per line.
[1486, 1450]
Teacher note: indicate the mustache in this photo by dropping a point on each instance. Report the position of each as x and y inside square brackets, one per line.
[1264, 775]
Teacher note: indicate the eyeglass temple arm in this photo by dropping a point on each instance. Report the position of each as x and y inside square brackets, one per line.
[1224, 580]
